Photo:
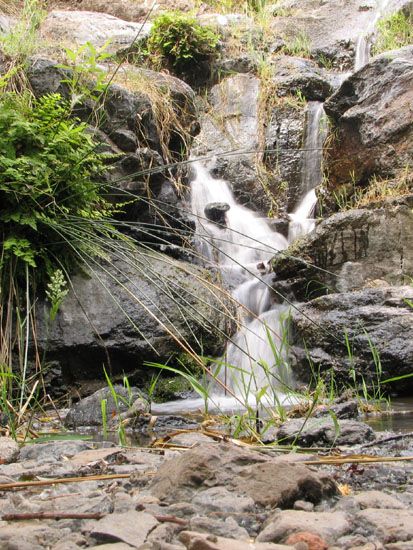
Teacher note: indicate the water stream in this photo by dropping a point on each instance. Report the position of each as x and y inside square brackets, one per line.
[364, 41]
[240, 244]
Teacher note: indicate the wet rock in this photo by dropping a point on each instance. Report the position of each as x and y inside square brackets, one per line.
[123, 302]
[348, 251]
[130, 527]
[327, 525]
[9, 450]
[199, 541]
[211, 470]
[373, 120]
[323, 432]
[377, 321]
[232, 124]
[284, 134]
[348, 409]
[215, 211]
[88, 411]
[100, 29]
[292, 75]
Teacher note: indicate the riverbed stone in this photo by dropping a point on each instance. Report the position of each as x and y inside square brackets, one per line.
[226, 527]
[200, 541]
[324, 431]
[328, 525]
[378, 499]
[9, 450]
[389, 525]
[266, 482]
[130, 527]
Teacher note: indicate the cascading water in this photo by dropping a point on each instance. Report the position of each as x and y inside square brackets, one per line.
[364, 41]
[302, 221]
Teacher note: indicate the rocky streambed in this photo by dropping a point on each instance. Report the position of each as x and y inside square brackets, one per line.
[198, 489]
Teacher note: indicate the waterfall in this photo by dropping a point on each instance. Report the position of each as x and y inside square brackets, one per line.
[302, 221]
[364, 41]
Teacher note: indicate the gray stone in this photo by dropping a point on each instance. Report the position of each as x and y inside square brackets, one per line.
[374, 319]
[373, 120]
[349, 251]
[88, 411]
[219, 499]
[130, 527]
[132, 315]
[303, 505]
[323, 431]
[228, 528]
[78, 27]
[9, 450]
[215, 211]
[54, 451]
[328, 525]
[200, 541]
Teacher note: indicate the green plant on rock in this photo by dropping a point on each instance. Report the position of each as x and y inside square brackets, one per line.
[53, 210]
[393, 32]
[180, 42]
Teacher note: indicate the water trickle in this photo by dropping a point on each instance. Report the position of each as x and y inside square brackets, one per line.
[365, 40]
[302, 221]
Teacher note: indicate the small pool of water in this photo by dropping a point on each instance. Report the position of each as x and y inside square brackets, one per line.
[398, 418]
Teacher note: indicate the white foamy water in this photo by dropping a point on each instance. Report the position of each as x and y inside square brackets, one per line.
[365, 40]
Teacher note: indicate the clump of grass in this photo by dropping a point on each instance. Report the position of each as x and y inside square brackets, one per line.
[378, 189]
[298, 45]
[179, 42]
[393, 32]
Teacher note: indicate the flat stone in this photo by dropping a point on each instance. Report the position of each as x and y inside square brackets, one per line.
[378, 499]
[130, 527]
[323, 431]
[222, 500]
[9, 450]
[388, 524]
[203, 541]
[327, 525]
[228, 528]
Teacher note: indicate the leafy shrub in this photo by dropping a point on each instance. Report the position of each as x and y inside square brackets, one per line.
[49, 173]
[395, 31]
[178, 41]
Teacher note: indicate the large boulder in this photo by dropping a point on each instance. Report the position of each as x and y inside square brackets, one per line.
[137, 308]
[373, 120]
[348, 251]
[368, 331]
[75, 28]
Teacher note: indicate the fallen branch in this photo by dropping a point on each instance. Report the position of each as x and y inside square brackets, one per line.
[51, 515]
[355, 460]
[40, 483]
[387, 439]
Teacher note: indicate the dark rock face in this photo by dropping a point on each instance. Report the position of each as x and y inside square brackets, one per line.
[249, 476]
[350, 250]
[378, 323]
[215, 211]
[373, 120]
[292, 75]
[131, 311]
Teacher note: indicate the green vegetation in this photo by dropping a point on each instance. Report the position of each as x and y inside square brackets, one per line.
[393, 32]
[177, 41]
[298, 44]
